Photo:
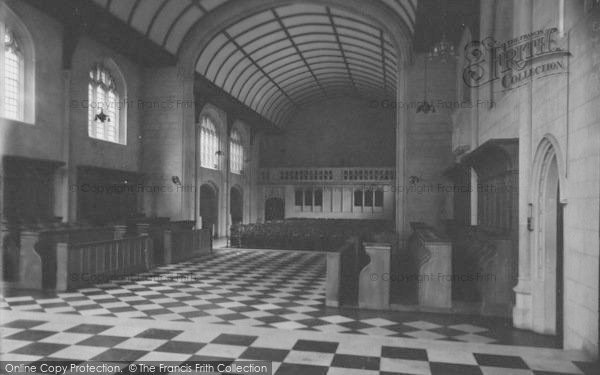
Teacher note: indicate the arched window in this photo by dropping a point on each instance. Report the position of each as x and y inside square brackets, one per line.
[236, 147]
[12, 77]
[209, 144]
[103, 106]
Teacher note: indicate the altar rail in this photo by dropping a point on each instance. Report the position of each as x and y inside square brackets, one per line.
[181, 245]
[32, 251]
[79, 265]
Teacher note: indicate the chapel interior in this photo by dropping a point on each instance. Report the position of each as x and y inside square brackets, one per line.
[384, 186]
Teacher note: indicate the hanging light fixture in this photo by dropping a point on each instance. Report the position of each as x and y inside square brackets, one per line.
[425, 106]
[102, 117]
[444, 50]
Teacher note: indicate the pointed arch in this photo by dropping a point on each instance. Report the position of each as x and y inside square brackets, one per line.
[17, 84]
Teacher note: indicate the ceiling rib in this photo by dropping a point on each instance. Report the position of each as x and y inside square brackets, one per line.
[337, 38]
[174, 23]
[291, 39]
[231, 40]
[154, 17]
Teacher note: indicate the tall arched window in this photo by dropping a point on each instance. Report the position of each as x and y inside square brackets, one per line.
[209, 144]
[236, 150]
[12, 76]
[103, 106]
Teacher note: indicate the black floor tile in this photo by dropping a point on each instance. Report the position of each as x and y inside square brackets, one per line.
[184, 347]
[163, 334]
[294, 369]
[104, 341]
[40, 349]
[357, 362]
[404, 353]
[240, 340]
[265, 354]
[119, 355]
[438, 368]
[30, 335]
[88, 328]
[500, 361]
[316, 346]
[23, 324]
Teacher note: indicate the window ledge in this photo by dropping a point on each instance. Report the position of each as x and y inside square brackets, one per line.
[16, 122]
[103, 141]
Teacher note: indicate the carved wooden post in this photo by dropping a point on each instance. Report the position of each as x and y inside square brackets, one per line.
[143, 229]
[435, 259]
[30, 262]
[168, 247]
[374, 279]
[62, 267]
[334, 272]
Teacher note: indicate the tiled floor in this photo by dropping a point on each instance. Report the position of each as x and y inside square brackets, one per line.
[32, 337]
[259, 288]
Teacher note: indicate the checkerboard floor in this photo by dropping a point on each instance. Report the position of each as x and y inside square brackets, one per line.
[29, 337]
[260, 288]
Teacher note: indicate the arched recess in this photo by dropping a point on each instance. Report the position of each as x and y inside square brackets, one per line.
[209, 207]
[546, 267]
[231, 12]
[26, 44]
[236, 204]
[378, 13]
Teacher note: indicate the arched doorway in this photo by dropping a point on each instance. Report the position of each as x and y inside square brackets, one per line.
[236, 204]
[548, 248]
[209, 208]
[274, 209]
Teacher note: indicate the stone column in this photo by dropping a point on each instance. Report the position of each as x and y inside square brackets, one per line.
[401, 130]
[522, 312]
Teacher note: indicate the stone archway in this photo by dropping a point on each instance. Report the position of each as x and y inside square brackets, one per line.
[229, 13]
[547, 243]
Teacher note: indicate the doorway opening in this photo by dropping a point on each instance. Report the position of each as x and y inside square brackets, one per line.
[209, 208]
[274, 209]
[236, 204]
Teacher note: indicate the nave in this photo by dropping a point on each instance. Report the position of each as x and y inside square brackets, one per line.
[238, 304]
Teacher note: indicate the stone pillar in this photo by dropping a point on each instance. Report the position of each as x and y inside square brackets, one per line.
[401, 130]
[522, 312]
[30, 262]
[374, 279]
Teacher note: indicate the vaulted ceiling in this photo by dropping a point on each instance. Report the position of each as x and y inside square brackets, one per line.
[277, 60]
